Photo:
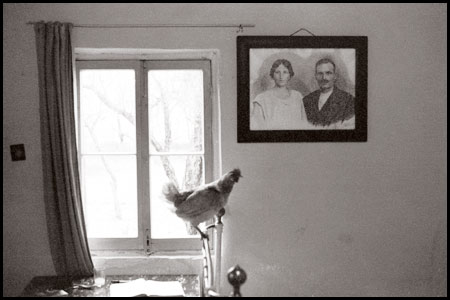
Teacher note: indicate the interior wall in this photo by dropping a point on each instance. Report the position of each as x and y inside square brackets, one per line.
[307, 219]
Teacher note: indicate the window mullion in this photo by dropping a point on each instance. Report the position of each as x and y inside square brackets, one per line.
[143, 156]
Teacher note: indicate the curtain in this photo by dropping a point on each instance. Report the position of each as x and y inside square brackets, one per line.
[62, 195]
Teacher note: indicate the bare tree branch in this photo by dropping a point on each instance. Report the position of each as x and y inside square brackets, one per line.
[104, 99]
[170, 172]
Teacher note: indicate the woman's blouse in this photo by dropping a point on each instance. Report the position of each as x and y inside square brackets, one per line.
[269, 112]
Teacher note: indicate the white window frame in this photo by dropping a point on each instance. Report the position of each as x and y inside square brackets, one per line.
[114, 59]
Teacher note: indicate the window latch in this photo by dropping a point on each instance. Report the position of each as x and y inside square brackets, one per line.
[147, 236]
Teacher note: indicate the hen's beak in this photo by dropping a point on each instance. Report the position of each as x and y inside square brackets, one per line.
[236, 179]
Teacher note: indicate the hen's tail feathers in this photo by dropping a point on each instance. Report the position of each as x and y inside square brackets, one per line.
[173, 196]
[170, 192]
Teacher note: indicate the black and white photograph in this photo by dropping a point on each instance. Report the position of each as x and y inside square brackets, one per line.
[225, 150]
[309, 86]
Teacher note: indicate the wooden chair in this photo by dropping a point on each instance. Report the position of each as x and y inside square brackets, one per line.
[209, 279]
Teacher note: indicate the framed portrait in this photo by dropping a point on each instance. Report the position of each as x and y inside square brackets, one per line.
[302, 89]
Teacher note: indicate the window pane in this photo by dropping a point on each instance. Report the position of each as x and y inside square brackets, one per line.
[110, 198]
[108, 111]
[175, 110]
[187, 172]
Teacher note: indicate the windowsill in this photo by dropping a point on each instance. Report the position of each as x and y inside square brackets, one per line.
[140, 253]
[158, 263]
[116, 253]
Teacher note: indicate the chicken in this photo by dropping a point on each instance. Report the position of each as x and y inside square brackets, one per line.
[204, 202]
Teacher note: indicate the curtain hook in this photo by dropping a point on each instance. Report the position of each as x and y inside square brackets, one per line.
[240, 29]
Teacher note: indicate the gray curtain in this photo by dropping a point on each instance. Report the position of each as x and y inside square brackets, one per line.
[62, 196]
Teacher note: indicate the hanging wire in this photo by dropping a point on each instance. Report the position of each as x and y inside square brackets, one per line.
[303, 29]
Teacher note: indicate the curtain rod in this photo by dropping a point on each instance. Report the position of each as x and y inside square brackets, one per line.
[240, 26]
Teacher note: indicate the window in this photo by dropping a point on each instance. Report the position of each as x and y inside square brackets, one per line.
[142, 123]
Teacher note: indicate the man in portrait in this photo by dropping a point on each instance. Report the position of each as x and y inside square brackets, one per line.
[329, 106]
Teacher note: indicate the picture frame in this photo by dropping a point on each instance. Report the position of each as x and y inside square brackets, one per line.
[268, 103]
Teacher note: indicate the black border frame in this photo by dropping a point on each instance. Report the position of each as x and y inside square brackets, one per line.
[245, 43]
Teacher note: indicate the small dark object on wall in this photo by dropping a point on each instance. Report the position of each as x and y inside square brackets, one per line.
[17, 152]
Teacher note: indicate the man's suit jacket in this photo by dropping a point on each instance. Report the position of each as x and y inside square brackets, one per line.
[339, 107]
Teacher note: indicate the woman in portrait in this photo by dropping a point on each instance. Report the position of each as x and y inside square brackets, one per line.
[278, 108]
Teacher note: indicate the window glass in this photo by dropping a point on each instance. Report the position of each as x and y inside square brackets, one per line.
[107, 111]
[110, 199]
[175, 100]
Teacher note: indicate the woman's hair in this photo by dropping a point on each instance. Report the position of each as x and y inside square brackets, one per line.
[285, 63]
